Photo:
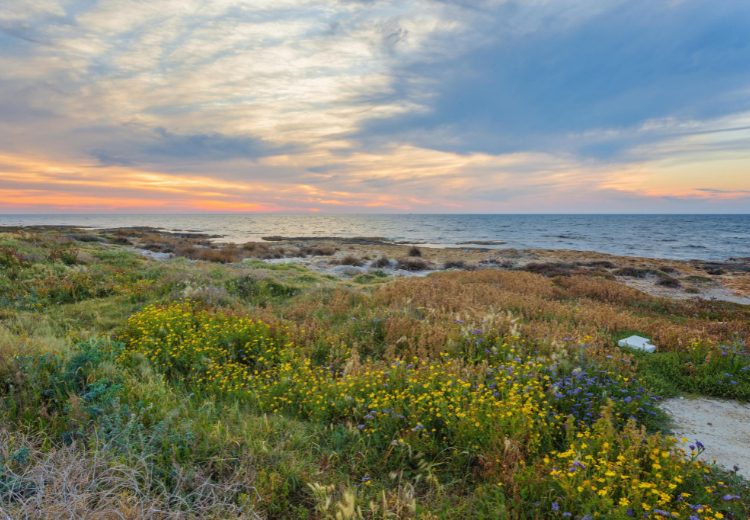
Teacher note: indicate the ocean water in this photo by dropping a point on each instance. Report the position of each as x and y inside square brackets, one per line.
[703, 237]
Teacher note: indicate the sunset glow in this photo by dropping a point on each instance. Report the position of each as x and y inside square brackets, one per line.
[392, 106]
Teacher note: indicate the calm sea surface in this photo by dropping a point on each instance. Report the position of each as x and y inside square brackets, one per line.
[706, 237]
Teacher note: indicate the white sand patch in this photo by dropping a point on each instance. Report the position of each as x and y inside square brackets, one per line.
[723, 426]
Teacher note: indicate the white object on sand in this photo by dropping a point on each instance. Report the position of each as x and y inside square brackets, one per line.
[638, 343]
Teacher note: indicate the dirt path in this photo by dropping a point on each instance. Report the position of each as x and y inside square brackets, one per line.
[722, 426]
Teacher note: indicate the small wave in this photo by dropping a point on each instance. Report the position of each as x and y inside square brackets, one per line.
[567, 236]
[482, 242]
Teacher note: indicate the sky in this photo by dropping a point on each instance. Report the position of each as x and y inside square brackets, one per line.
[355, 106]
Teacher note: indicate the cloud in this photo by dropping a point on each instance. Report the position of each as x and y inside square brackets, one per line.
[390, 105]
[548, 76]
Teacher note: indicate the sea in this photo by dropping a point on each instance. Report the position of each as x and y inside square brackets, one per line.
[683, 237]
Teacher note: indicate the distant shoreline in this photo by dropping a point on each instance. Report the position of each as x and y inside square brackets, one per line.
[350, 257]
[680, 237]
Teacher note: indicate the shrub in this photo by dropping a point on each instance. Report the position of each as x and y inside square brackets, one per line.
[260, 291]
[350, 260]
[318, 250]
[412, 264]
[668, 281]
[606, 264]
[634, 272]
[414, 251]
[12, 259]
[454, 264]
[550, 269]
[381, 263]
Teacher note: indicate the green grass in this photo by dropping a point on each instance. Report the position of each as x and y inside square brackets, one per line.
[86, 408]
[723, 373]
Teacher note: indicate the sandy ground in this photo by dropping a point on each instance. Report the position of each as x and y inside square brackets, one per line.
[722, 426]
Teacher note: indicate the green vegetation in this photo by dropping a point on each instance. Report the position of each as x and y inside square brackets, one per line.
[718, 372]
[245, 390]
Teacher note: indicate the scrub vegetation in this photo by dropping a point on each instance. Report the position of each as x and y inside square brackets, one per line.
[234, 388]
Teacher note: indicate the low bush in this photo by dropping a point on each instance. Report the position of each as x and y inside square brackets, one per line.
[381, 263]
[350, 260]
[454, 264]
[550, 269]
[634, 272]
[260, 291]
[412, 264]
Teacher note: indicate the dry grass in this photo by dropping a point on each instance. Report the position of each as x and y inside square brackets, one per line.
[740, 284]
[81, 483]
[571, 306]
[418, 316]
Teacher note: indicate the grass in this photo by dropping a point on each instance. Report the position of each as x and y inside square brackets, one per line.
[137, 388]
[723, 372]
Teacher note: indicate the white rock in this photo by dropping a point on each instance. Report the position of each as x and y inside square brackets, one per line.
[638, 343]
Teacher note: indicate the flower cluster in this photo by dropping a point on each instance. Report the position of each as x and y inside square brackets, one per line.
[630, 473]
[433, 403]
[583, 393]
[467, 407]
[430, 403]
[216, 348]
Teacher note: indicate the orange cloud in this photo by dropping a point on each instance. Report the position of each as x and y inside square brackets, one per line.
[28, 183]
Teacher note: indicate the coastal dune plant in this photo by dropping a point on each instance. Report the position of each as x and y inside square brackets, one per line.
[630, 473]
[186, 340]
[286, 393]
[576, 431]
[80, 481]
